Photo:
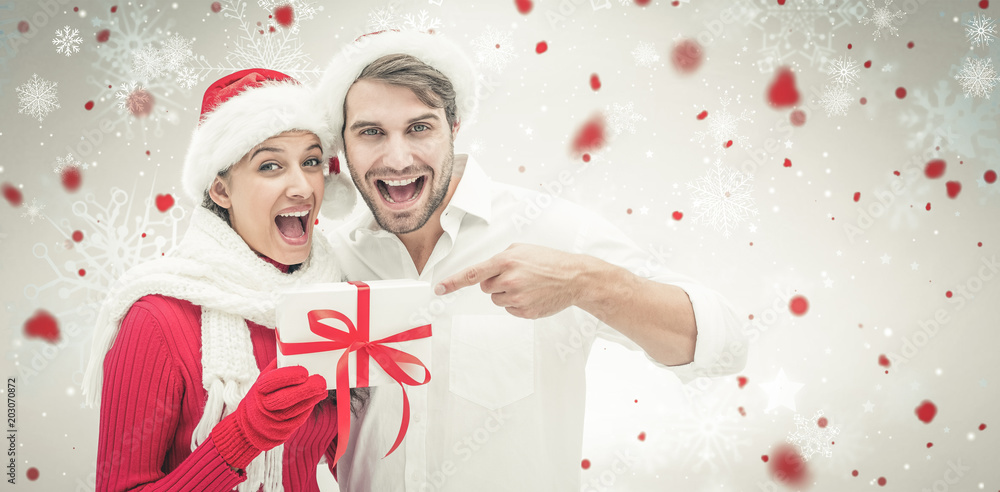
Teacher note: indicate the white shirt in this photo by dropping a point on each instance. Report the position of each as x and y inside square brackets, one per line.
[505, 405]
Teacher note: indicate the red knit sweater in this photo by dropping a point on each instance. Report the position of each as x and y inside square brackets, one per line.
[153, 398]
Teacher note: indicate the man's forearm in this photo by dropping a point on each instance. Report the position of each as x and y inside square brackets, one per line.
[658, 317]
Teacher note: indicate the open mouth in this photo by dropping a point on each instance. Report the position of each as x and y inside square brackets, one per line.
[400, 190]
[292, 225]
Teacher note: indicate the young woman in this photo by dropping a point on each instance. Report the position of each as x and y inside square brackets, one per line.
[184, 351]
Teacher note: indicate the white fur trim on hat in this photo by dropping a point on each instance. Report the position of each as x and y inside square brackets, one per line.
[245, 120]
[339, 195]
[432, 49]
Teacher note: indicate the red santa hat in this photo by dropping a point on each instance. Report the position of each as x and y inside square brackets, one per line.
[430, 48]
[241, 110]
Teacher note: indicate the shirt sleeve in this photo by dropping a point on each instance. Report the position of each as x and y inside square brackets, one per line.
[720, 346]
[140, 409]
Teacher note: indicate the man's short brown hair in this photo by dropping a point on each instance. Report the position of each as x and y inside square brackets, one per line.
[428, 84]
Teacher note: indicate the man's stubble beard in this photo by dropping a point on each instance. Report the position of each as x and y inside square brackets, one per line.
[438, 190]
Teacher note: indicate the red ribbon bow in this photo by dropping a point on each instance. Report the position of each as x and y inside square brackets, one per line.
[355, 339]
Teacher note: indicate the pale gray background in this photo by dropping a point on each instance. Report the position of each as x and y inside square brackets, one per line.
[867, 293]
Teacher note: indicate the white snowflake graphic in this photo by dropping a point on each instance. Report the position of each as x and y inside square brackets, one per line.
[133, 99]
[812, 439]
[69, 161]
[723, 126]
[722, 198]
[622, 118]
[114, 238]
[135, 26]
[421, 21]
[977, 77]
[843, 70]
[645, 54]
[33, 211]
[37, 97]
[382, 19]
[148, 63]
[836, 100]
[258, 47]
[883, 18]
[175, 52]
[981, 31]
[67, 42]
[494, 49]
[186, 78]
[803, 34]
[303, 10]
[946, 119]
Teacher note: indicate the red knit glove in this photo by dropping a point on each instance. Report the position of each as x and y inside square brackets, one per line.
[276, 405]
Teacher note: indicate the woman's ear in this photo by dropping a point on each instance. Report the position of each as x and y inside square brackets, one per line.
[219, 192]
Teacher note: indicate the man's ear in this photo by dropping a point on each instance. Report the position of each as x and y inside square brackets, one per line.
[454, 129]
[219, 192]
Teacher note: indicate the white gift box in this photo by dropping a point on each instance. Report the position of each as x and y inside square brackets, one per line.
[394, 306]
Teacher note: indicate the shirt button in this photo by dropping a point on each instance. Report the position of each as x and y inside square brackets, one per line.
[418, 418]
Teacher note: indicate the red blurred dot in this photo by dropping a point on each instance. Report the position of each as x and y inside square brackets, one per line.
[82, 272]
[524, 6]
[89, 105]
[702, 115]
[821, 422]
[77, 236]
[881, 481]
[857, 196]
[982, 426]
[900, 92]
[541, 47]
[677, 215]
[909, 45]
[849, 46]
[642, 3]
[216, 7]
[585, 464]
[687, 55]
[798, 117]
[990, 176]
[864, 100]
[284, 15]
[984, 4]
[868, 64]
[32, 474]
[930, 445]
[642, 436]
[23, 26]
[595, 82]
[520, 169]
[798, 305]
[854, 473]
[948, 294]
[628, 211]
[764, 458]
[586, 157]
[12, 194]
[114, 8]
[103, 35]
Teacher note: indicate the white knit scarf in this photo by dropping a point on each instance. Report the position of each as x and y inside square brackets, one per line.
[214, 268]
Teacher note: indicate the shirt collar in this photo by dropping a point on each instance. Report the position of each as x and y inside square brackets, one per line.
[473, 195]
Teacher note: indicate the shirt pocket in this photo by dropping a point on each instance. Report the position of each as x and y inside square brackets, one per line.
[492, 359]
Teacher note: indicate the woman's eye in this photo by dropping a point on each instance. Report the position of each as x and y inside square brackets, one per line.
[369, 131]
[268, 166]
[312, 162]
[420, 127]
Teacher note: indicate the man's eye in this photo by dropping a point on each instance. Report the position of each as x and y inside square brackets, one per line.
[268, 166]
[420, 127]
[369, 131]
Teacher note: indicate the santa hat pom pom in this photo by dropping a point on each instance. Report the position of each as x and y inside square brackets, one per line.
[339, 194]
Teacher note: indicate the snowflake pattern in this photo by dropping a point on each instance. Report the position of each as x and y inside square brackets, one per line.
[33, 211]
[280, 50]
[132, 98]
[175, 52]
[836, 100]
[645, 54]
[37, 97]
[843, 70]
[69, 161]
[943, 118]
[812, 439]
[115, 238]
[147, 63]
[186, 78]
[977, 77]
[981, 31]
[722, 126]
[493, 49]
[421, 21]
[67, 42]
[883, 18]
[382, 19]
[803, 34]
[622, 118]
[722, 198]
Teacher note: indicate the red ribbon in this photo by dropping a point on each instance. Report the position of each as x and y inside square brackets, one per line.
[355, 339]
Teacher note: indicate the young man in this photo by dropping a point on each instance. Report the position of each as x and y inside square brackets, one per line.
[521, 300]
